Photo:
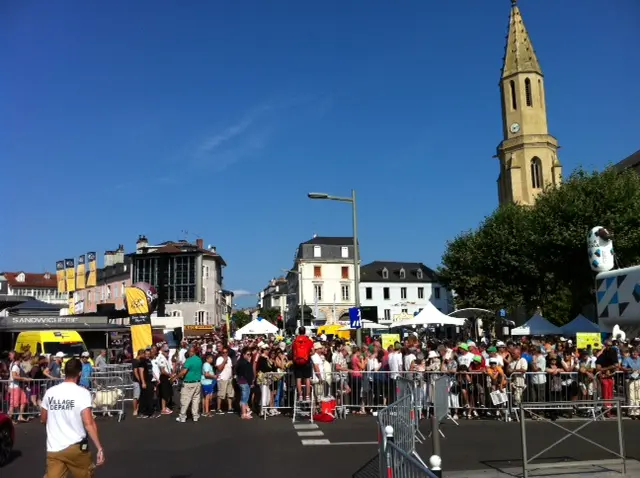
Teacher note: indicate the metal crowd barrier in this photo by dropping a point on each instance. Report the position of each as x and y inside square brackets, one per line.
[108, 395]
[120, 375]
[470, 394]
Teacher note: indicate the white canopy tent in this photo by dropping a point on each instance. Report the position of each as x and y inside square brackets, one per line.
[430, 316]
[257, 326]
[537, 325]
[367, 324]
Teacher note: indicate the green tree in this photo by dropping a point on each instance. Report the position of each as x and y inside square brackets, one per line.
[536, 256]
[308, 315]
[240, 318]
[271, 314]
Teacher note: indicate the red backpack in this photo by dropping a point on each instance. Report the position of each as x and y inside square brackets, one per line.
[301, 350]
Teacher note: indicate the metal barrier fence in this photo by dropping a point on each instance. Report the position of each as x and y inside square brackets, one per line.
[21, 400]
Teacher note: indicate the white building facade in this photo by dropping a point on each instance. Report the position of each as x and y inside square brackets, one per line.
[400, 290]
[40, 286]
[322, 280]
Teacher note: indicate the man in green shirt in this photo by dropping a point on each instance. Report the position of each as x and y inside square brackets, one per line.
[191, 374]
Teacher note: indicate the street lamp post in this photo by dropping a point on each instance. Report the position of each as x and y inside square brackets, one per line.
[356, 249]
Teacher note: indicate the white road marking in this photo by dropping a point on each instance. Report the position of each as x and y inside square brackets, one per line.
[316, 442]
[306, 426]
[312, 433]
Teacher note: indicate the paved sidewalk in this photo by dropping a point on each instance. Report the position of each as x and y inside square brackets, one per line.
[633, 470]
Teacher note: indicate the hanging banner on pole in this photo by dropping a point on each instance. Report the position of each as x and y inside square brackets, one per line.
[141, 299]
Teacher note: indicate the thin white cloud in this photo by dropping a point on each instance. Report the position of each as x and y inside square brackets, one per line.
[241, 293]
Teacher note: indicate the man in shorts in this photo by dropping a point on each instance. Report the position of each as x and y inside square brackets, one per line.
[302, 367]
[225, 382]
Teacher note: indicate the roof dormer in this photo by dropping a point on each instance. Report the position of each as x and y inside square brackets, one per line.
[419, 274]
[385, 273]
[47, 276]
[20, 277]
[403, 274]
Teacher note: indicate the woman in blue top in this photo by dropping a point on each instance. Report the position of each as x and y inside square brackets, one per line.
[208, 382]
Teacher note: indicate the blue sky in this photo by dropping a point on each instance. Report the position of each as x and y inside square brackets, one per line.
[122, 118]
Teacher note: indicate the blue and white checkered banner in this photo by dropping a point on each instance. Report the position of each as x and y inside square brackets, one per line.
[355, 318]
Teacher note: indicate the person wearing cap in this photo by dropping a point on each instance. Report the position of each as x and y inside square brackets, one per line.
[54, 370]
[87, 371]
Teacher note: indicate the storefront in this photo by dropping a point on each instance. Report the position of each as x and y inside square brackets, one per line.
[94, 330]
[197, 331]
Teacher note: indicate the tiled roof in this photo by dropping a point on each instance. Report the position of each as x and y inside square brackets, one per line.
[179, 247]
[331, 241]
[631, 162]
[373, 272]
[34, 280]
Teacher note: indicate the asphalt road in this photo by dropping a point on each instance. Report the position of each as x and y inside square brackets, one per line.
[227, 445]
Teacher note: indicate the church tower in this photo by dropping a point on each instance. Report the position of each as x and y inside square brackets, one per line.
[528, 153]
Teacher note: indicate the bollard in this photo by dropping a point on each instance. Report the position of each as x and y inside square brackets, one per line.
[388, 431]
[435, 462]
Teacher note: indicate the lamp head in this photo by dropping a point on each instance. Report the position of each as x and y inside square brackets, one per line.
[317, 195]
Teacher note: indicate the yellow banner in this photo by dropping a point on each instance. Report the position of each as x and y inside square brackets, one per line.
[389, 340]
[62, 286]
[141, 337]
[72, 305]
[584, 339]
[81, 274]
[93, 269]
[70, 272]
[137, 303]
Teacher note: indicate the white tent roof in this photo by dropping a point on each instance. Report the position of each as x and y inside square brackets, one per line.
[257, 326]
[430, 316]
[537, 325]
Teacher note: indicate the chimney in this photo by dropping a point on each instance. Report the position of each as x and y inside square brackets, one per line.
[118, 255]
[141, 243]
[199, 243]
[108, 258]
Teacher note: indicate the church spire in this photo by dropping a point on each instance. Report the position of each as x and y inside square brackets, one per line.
[519, 56]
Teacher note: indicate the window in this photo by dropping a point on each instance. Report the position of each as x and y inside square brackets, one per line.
[512, 88]
[317, 272]
[201, 317]
[20, 277]
[436, 292]
[527, 92]
[385, 293]
[181, 278]
[536, 173]
[540, 93]
[345, 292]
[108, 292]
[204, 295]
[317, 251]
[205, 272]
[405, 311]
[385, 273]
[345, 272]
[420, 292]
[419, 274]
[403, 292]
[368, 293]
[387, 314]
[317, 292]
[122, 287]
[176, 313]
[403, 274]
[344, 252]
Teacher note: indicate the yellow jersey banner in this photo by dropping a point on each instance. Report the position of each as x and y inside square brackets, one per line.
[137, 303]
[62, 286]
[81, 274]
[141, 337]
[70, 269]
[92, 279]
[389, 340]
[72, 305]
[586, 339]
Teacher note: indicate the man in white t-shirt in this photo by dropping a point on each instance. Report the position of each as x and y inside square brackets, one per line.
[224, 369]
[66, 412]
